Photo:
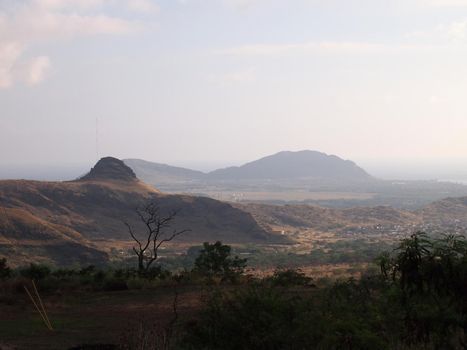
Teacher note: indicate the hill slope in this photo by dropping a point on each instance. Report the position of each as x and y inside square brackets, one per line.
[290, 166]
[157, 173]
[446, 212]
[294, 165]
[81, 212]
[328, 219]
[444, 216]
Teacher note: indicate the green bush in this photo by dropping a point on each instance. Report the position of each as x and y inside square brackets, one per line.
[262, 317]
[289, 277]
[35, 271]
[215, 260]
[416, 302]
[64, 274]
[258, 318]
[428, 281]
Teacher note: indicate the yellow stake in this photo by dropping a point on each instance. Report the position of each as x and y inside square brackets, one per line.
[42, 305]
[37, 308]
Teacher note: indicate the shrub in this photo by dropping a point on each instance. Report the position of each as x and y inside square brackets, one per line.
[64, 273]
[87, 271]
[214, 260]
[126, 273]
[5, 271]
[35, 271]
[114, 285]
[156, 272]
[136, 283]
[289, 277]
[255, 318]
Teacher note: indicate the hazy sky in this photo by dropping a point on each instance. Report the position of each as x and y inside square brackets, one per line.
[232, 80]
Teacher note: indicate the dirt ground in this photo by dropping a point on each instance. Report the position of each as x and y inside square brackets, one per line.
[91, 317]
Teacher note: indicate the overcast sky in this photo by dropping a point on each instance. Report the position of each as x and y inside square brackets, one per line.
[225, 81]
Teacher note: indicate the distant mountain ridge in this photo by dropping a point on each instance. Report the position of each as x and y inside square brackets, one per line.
[293, 165]
[284, 165]
[145, 169]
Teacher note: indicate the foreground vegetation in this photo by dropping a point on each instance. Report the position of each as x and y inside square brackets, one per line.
[417, 300]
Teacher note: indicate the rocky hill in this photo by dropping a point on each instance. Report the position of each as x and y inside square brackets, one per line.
[110, 168]
[443, 216]
[328, 219]
[446, 212]
[45, 220]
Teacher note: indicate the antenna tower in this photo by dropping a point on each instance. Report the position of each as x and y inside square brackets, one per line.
[97, 139]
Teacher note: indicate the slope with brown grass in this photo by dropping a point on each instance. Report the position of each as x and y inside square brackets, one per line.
[93, 208]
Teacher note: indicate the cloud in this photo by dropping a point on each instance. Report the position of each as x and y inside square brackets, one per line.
[148, 6]
[241, 77]
[145, 6]
[455, 31]
[12, 69]
[443, 3]
[241, 4]
[450, 33]
[68, 4]
[245, 76]
[9, 54]
[316, 47]
[36, 70]
[28, 24]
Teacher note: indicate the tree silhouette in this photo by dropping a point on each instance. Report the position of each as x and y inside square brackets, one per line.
[157, 232]
[215, 260]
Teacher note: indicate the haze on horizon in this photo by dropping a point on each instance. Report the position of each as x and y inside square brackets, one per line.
[222, 82]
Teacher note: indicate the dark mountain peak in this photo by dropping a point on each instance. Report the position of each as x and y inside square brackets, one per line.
[304, 155]
[110, 168]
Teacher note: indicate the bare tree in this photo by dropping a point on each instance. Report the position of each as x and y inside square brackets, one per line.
[158, 231]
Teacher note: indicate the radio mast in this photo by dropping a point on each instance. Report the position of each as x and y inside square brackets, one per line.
[97, 139]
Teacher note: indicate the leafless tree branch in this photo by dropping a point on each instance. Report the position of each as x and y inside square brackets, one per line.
[156, 226]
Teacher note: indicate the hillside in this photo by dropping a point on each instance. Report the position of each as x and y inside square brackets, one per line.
[26, 237]
[443, 216]
[294, 165]
[446, 212]
[82, 212]
[328, 219]
[284, 167]
[162, 173]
